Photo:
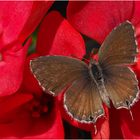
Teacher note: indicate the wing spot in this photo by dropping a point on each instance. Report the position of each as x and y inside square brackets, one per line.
[128, 103]
[91, 118]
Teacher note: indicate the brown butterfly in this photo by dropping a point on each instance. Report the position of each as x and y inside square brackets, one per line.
[99, 82]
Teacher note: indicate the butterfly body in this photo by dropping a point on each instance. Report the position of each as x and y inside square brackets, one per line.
[97, 76]
[95, 71]
[109, 79]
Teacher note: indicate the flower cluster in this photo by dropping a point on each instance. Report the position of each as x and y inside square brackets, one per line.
[25, 110]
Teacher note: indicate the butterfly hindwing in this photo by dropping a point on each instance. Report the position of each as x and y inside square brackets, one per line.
[82, 100]
[121, 85]
[118, 50]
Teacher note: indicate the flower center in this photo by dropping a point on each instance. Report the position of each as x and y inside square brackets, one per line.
[40, 105]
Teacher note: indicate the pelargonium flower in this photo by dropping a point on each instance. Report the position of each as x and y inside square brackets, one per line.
[96, 20]
[29, 112]
[17, 22]
[24, 114]
[19, 19]
[27, 115]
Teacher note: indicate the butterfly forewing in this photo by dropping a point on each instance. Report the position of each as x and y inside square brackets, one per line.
[119, 49]
[56, 72]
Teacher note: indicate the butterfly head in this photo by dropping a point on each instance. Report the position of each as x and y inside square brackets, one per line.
[95, 70]
[92, 62]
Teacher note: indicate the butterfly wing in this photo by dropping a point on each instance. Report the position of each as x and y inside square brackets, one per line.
[119, 47]
[121, 85]
[118, 50]
[82, 100]
[54, 73]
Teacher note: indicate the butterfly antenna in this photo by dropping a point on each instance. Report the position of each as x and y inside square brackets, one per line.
[95, 129]
[80, 58]
[85, 59]
[93, 53]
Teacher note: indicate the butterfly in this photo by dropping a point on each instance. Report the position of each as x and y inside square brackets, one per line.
[91, 85]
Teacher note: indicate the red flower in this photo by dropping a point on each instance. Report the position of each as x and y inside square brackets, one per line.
[96, 20]
[25, 113]
[30, 113]
[20, 117]
[38, 117]
[18, 20]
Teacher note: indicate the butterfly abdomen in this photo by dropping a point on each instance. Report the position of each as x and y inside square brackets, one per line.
[96, 72]
[97, 76]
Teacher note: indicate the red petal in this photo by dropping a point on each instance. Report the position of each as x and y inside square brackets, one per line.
[57, 36]
[97, 19]
[29, 79]
[9, 103]
[136, 19]
[136, 13]
[51, 126]
[104, 131]
[102, 123]
[131, 128]
[11, 68]
[22, 125]
[114, 121]
[19, 19]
